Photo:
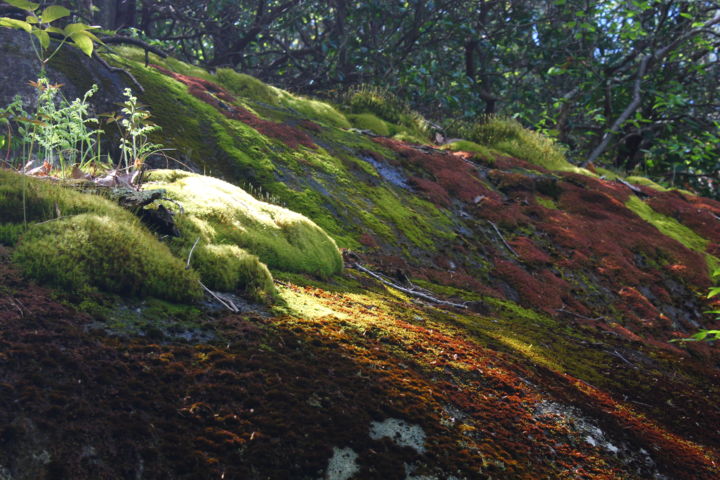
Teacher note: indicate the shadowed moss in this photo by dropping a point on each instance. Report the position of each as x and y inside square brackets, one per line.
[90, 251]
[220, 213]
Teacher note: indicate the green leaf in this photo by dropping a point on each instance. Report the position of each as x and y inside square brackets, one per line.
[69, 30]
[31, 19]
[59, 31]
[42, 37]
[53, 12]
[713, 291]
[23, 4]
[83, 42]
[13, 23]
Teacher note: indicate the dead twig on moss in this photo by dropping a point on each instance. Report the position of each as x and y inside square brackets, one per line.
[408, 291]
[225, 302]
[507, 245]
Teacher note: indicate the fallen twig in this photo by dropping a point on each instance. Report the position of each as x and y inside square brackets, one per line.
[17, 304]
[187, 265]
[226, 303]
[617, 354]
[413, 293]
[632, 187]
[507, 245]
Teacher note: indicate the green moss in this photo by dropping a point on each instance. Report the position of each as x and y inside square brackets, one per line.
[672, 228]
[646, 182]
[229, 268]
[220, 213]
[369, 121]
[88, 251]
[511, 138]
[419, 221]
[381, 103]
[546, 202]
[608, 174]
[668, 226]
[311, 109]
[246, 86]
[468, 146]
[36, 200]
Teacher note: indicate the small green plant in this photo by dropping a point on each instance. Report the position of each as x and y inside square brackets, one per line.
[38, 25]
[63, 129]
[135, 146]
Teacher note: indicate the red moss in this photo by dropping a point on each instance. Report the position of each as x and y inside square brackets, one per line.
[224, 102]
[509, 181]
[528, 252]
[310, 125]
[509, 163]
[697, 213]
[541, 290]
[453, 173]
[431, 190]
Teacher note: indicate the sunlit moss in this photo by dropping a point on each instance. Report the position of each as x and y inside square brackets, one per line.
[546, 202]
[646, 182]
[672, 228]
[220, 213]
[229, 268]
[487, 153]
[369, 121]
[114, 254]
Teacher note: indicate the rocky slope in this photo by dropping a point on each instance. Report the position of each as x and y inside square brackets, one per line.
[554, 362]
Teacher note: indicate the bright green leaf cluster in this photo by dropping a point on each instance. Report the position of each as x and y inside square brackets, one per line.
[38, 25]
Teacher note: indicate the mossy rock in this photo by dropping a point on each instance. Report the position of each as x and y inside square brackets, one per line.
[222, 214]
[89, 251]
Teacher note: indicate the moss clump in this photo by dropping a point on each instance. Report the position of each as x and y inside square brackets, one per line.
[220, 213]
[90, 251]
[510, 137]
[546, 202]
[369, 121]
[401, 121]
[468, 146]
[229, 268]
[25, 198]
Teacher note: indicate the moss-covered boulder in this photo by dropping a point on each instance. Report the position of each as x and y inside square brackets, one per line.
[221, 214]
[81, 242]
[90, 251]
